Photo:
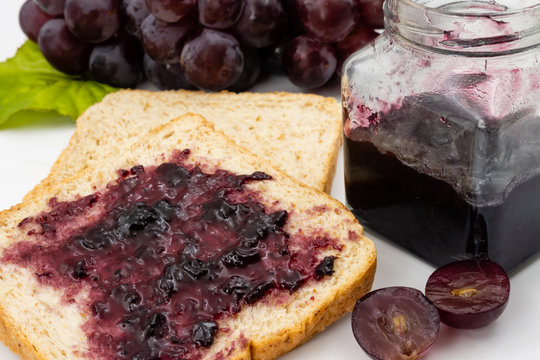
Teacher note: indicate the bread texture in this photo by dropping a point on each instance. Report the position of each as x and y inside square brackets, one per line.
[37, 322]
[297, 133]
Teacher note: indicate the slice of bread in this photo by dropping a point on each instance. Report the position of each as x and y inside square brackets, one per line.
[47, 323]
[298, 133]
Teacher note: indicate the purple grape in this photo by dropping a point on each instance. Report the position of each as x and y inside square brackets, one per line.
[117, 62]
[62, 49]
[212, 60]
[294, 20]
[469, 294]
[308, 62]
[93, 21]
[354, 41]
[261, 24]
[370, 13]
[171, 10]
[219, 14]
[274, 58]
[164, 41]
[31, 19]
[395, 323]
[329, 20]
[133, 13]
[51, 7]
[166, 76]
[250, 72]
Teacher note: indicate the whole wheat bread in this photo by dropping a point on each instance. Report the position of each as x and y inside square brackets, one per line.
[298, 133]
[37, 322]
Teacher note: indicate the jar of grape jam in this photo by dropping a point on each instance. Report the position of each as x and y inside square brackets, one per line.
[442, 129]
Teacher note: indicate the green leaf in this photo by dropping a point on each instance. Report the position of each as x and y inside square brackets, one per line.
[29, 82]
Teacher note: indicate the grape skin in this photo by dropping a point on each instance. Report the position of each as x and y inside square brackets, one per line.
[261, 24]
[31, 19]
[308, 62]
[370, 13]
[164, 41]
[92, 21]
[62, 49]
[51, 7]
[250, 72]
[171, 10]
[219, 14]
[213, 60]
[117, 62]
[329, 20]
[165, 76]
[133, 13]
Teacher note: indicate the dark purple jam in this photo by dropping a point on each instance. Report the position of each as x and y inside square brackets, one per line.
[428, 217]
[165, 252]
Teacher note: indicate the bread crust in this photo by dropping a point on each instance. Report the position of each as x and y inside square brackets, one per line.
[15, 340]
[306, 128]
[331, 301]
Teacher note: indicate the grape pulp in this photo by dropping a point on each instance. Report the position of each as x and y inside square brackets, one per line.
[395, 323]
[469, 294]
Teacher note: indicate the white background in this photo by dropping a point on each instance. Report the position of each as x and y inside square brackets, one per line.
[27, 152]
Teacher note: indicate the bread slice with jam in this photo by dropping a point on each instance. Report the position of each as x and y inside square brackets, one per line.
[182, 245]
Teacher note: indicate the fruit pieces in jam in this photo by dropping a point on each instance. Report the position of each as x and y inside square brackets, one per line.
[172, 250]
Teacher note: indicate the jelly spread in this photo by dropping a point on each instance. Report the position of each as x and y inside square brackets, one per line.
[165, 251]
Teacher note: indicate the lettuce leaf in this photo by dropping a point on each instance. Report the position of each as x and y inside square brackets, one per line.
[28, 82]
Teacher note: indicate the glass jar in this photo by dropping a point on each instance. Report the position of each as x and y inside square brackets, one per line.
[442, 129]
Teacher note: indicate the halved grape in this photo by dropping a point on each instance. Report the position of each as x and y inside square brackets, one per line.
[93, 21]
[370, 13]
[171, 10]
[250, 72]
[219, 14]
[31, 19]
[212, 60]
[133, 13]
[117, 62]
[395, 323]
[62, 49]
[354, 41]
[469, 294]
[330, 20]
[308, 62]
[51, 7]
[165, 76]
[164, 41]
[261, 24]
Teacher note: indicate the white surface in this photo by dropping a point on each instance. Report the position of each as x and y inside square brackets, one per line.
[26, 154]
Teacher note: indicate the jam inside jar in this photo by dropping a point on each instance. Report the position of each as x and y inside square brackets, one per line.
[442, 129]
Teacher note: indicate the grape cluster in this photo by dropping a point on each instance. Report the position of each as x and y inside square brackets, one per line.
[205, 44]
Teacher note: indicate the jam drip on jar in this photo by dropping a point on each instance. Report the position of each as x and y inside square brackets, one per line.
[169, 254]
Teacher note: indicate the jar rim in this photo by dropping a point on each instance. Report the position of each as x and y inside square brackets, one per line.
[491, 13]
[487, 32]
